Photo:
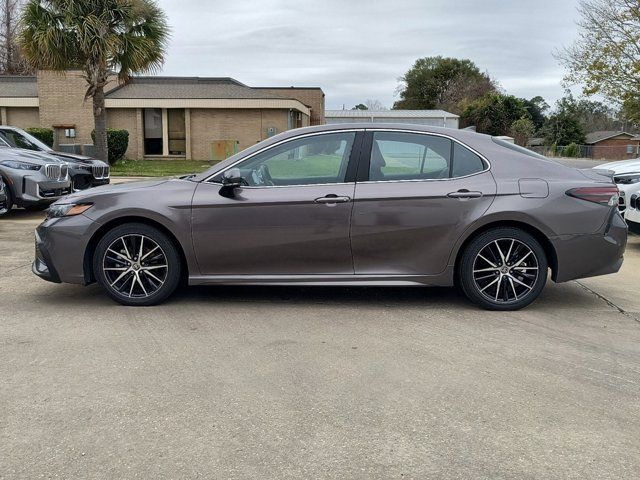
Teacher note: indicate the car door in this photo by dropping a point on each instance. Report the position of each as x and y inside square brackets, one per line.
[416, 193]
[291, 218]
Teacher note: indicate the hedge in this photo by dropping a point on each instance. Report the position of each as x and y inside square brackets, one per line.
[45, 135]
[117, 142]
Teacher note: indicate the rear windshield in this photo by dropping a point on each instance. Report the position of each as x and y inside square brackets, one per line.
[518, 148]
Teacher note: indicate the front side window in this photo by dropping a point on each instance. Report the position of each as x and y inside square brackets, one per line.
[318, 159]
[409, 156]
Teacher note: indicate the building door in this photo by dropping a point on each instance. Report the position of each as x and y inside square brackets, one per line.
[177, 131]
[153, 144]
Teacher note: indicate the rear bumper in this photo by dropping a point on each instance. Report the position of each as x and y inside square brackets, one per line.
[581, 256]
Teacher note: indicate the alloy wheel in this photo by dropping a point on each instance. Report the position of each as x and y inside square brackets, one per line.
[505, 270]
[135, 266]
[4, 204]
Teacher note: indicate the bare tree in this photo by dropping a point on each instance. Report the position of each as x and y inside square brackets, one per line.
[11, 60]
[605, 58]
[374, 105]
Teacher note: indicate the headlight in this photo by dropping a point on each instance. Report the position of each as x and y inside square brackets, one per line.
[67, 209]
[20, 165]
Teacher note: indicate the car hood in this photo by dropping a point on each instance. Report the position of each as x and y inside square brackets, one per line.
[73, 158]
[87, 195]
[622, 166]
[30, 156]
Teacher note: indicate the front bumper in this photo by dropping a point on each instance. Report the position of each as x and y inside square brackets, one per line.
[60, 244]
[37, 189]
[602, 253]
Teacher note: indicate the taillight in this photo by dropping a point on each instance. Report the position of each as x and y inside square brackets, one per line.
[603, 195]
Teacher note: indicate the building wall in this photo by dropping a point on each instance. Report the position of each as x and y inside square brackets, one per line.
[62, 102]
[23, 117]
[247, 127]
[311, 97]
[614, 149]
[127, 119]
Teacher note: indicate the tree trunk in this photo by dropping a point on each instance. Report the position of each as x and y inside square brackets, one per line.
[100, 120]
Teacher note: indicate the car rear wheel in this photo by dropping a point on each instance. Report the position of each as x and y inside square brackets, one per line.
[503, 269]
[137, 265]
[7, 204]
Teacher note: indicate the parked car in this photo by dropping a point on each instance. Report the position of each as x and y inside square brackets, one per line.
[354, 204]
[85, 172]
[31, 180]
[626, 175]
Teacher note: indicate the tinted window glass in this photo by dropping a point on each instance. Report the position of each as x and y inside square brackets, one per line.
[312, 160]
[465, 162]
[409, 156]
[16, 140]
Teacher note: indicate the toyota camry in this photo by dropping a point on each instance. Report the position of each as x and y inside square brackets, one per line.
[358, 204]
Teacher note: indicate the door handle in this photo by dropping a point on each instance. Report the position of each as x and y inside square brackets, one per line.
[331, 198]
[464, 193]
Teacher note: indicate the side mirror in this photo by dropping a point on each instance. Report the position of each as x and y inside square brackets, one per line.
[232, 178]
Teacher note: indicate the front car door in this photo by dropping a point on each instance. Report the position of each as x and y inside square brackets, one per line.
[291, 218]
[416, 194]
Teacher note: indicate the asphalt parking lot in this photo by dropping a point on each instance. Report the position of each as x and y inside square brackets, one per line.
[246, 382]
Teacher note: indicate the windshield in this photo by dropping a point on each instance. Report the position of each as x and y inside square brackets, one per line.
[21, 139]
[518, 148]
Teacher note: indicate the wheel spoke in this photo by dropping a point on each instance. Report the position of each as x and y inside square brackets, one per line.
[522, 259]
[521, 283]
[126, 250]
[500, 253]
[119, 278]
[118, 254]
[509, 252]
[492, 283]
[146, 272]
[488, 261]
[513, 287]
[149, 252]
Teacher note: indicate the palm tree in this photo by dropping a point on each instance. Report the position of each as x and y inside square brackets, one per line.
[100, 37]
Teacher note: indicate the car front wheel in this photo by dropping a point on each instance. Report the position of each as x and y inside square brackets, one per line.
[7, 204]
[503, 269]
[137, 265]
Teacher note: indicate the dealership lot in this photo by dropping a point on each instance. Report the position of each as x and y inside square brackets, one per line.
[232, 382]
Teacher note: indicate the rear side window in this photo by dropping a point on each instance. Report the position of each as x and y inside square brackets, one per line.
[465, 162]
[408, 156]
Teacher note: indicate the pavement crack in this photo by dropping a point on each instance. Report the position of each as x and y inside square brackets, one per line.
[609, 302]
[17, 268]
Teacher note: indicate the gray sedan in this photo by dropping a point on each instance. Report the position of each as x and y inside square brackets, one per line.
[31, 180]
[345, 205]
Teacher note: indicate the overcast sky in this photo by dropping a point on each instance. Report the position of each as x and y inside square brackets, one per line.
[357, 49]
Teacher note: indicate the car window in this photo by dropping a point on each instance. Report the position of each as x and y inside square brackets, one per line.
[317, 159]
[465, 162]
[16, 140]
[409, 156]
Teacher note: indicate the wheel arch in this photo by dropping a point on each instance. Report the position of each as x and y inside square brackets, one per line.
[538, 234]
[89, 276]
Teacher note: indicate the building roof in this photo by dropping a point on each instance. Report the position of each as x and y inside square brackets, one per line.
[389, 114]
[18, 87]
[186, 87]
[595, 137]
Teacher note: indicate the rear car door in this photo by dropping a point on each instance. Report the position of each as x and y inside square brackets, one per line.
[292, 217]
[416, 194]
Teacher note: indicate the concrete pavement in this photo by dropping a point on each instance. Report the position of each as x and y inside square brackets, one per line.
[246, 382]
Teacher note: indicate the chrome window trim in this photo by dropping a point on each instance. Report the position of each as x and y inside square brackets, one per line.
[433, 134]
[291, 139]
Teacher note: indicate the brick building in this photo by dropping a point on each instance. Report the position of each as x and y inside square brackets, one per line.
[181, 117]
[612, 145]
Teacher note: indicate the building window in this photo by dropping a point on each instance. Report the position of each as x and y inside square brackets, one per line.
[630, 149]
[153, 144]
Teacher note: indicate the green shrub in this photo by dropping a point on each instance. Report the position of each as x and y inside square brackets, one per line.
[45, 135]
[117, 142]
[572, 150]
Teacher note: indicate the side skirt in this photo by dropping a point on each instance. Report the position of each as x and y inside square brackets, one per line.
[442, 280]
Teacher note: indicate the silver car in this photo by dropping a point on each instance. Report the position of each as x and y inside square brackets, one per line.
[31, 180]
[355, 204]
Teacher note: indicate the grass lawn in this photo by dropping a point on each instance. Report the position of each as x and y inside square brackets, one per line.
[158, 168]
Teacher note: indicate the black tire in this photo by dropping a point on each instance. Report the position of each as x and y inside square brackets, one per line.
[510, 285]
[164, 279]
[7, 205]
